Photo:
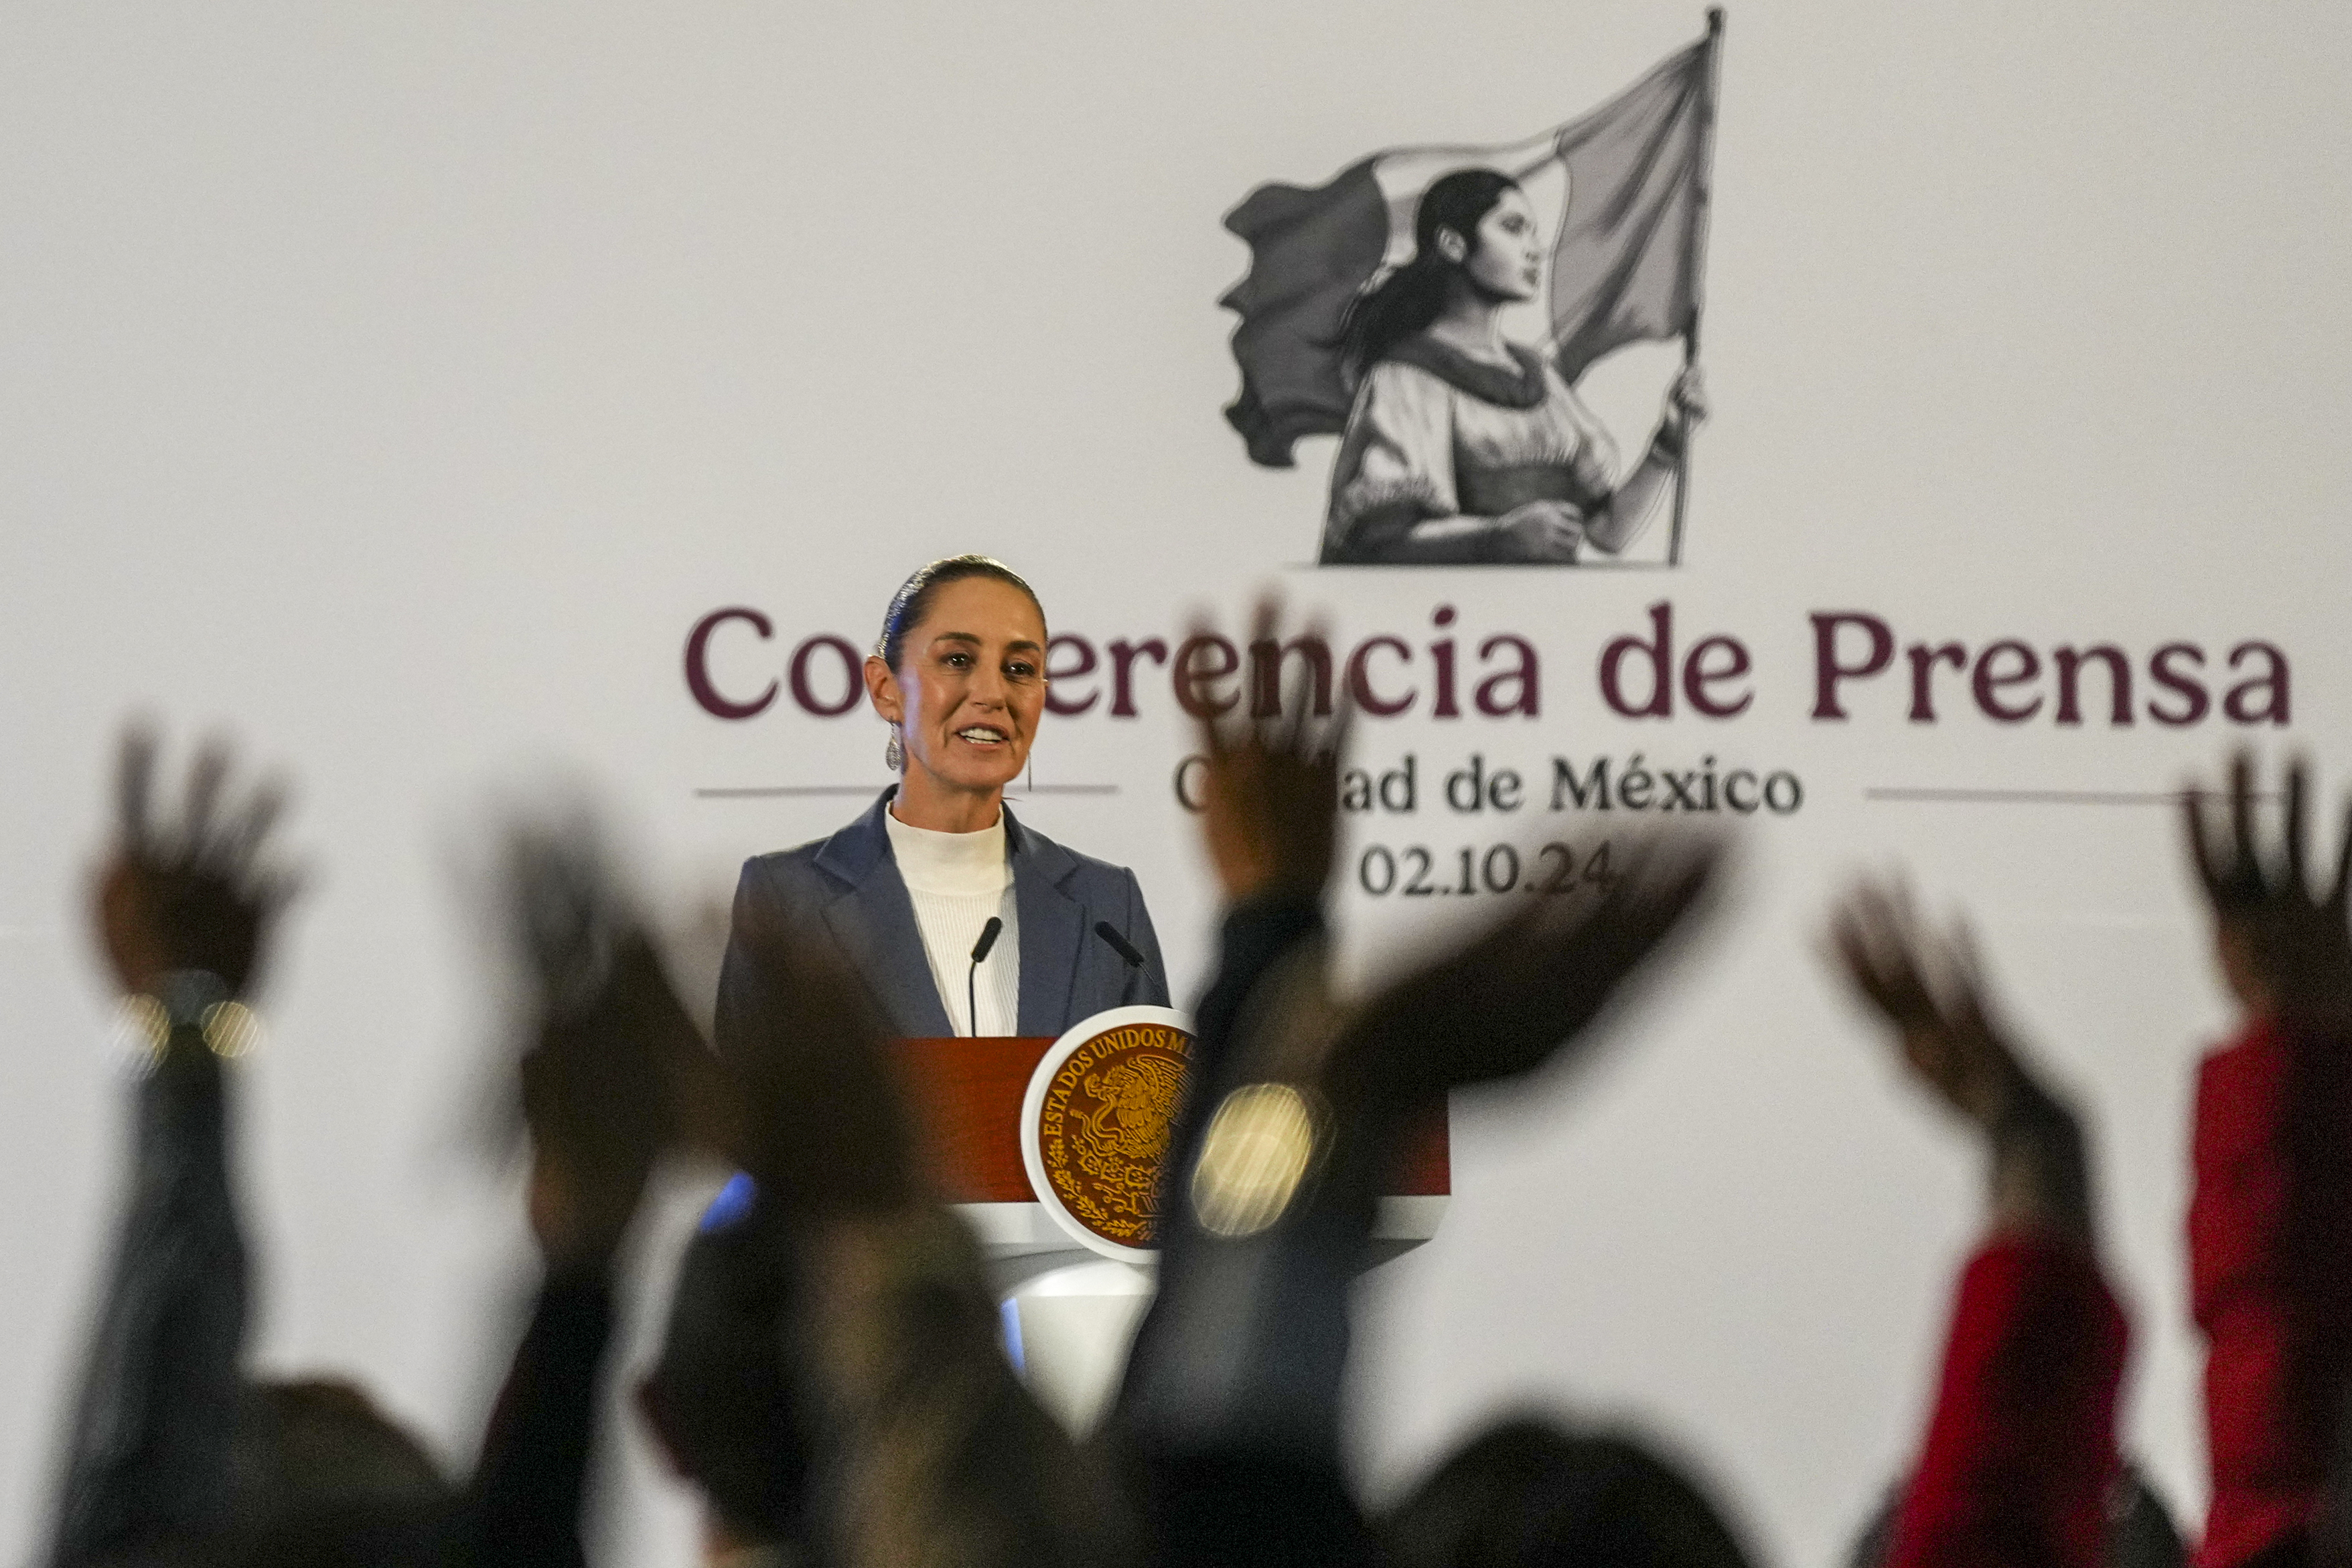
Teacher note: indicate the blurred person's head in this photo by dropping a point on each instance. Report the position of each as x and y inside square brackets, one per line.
[322, 1478]
[2141, 1531]
[1526, 1494]
[720, 1399]
[960, 674]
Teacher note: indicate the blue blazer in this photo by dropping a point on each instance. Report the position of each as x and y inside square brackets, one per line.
[846, 889]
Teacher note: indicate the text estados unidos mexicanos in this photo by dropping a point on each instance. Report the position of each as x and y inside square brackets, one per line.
[1859, 664]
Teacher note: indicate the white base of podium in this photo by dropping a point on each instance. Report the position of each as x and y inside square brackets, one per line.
[1007, 1231]
[1068, 1330]
[1070, 1315]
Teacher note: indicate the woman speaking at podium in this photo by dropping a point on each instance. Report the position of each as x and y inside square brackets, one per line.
[959, 919]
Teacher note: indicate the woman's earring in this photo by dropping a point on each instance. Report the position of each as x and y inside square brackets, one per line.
[893, 755]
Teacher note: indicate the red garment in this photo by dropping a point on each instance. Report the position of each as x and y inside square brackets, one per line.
[2270, 1263]
[2021, 1449]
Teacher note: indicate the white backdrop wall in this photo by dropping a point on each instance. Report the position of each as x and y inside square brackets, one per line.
[398, 386]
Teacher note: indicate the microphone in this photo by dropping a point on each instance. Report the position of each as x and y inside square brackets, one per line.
[1118, 944]
[988, 936]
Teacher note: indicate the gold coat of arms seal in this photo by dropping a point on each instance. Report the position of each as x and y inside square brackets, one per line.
[1095, 1123]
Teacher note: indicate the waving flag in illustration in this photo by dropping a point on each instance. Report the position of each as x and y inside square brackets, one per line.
[1625, 264]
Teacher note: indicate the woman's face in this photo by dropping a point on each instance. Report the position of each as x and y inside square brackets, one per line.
[1505, 259]
[969, 686]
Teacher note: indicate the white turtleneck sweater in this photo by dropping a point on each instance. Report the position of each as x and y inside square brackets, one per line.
[957, 881]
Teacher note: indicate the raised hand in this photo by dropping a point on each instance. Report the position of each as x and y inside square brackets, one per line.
[1270, 794]
[1942, 1024]
[1931, 993]
[2282, 942]
[614, 1072]
[1503, 1004]
[199, 891]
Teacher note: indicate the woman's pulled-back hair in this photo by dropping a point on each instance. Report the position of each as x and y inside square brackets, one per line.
[1408, 299]
[913, 600]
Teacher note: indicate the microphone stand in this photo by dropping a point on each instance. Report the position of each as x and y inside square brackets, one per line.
[988, 935]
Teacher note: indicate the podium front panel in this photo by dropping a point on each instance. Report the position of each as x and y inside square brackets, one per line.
[965, 1093]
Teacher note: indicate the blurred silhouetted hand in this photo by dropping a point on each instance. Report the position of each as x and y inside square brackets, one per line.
[1270, 793]
[1931, 993]
[1503, 1004]
[1945, 1032]
[2280, 941]
[614, 1072]
[198, 890]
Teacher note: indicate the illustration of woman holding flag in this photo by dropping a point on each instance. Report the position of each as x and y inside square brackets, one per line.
[1461, 446]
[1372, 310]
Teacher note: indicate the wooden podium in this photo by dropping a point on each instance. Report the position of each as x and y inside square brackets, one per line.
[967, 1092]
[1069, 1313]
